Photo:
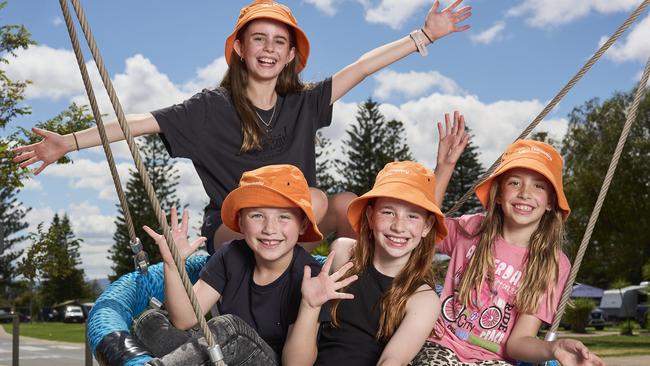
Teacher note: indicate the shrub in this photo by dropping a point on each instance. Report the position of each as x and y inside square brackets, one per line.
[577, 314]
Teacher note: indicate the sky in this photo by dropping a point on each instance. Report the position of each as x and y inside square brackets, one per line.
[500, 74]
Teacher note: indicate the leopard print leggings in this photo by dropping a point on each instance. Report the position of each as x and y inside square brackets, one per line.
[433, 354]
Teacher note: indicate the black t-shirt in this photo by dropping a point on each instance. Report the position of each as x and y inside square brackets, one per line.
[269, 309]
[207, 130]
[354, 342]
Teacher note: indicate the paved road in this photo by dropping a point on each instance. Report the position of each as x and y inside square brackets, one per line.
[36, 352]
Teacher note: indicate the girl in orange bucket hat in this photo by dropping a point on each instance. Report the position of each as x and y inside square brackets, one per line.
[255, 281]
[261, 114]
[507, 269]
[389, 318]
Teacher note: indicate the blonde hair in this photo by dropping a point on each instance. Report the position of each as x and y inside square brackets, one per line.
[236, 81]
[419, 270]
[541, 265]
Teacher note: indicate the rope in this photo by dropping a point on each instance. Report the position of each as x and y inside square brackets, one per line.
[631, 117]
[631, 19]
[98, 118]
[160, 215]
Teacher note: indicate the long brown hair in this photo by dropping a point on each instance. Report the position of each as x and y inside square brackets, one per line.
[419, 270]
[541, 265]
[236, 81]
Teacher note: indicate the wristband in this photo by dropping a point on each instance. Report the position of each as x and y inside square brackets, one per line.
[75, 141]
[420, 41]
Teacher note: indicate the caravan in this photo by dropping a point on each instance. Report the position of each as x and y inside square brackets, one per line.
[621, 303]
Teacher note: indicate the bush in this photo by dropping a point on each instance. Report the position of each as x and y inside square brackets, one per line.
[577, 314]
[627, 327]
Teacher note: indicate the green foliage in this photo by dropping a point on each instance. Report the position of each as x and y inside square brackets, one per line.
[620, 244]
[12, 213]
[628, 327]
[164, 177]
[322, 249]
[12, 38]
[577, 314]
[53, 260]
[467, 172]
[324, 180]
[372, 143]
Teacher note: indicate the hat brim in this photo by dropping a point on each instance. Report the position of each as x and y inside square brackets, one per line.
[261, 196]
[483, 189]
[301, 41]
[406, 193]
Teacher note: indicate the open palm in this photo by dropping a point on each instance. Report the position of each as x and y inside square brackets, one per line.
[179, 235]
[439, 24]
[319, 289]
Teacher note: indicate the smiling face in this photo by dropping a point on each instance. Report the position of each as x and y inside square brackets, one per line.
[271, 233]
[266, 48]
[524, 196]
[397, 226]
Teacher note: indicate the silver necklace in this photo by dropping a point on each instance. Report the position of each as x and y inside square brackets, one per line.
[267, 124]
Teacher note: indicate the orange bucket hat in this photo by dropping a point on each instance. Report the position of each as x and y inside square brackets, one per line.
[534, 155]
[404, 180]
[271, 186]
[268, 9]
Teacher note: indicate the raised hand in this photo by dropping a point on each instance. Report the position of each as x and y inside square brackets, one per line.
[439, 24]
[570, 352]
[179, 234]
[318, 290]
[452, 140]
[50, 149]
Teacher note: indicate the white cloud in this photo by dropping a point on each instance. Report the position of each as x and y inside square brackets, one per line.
[412, 84]
[88, 222]
[636, 46]
[87, 174]
[207, 77]
[494, 33]
[395, 13]
[542, 13]
[53, 72]
[140, 87]
[326, 6]
[57, 21]
[494, 125]
[32, 184]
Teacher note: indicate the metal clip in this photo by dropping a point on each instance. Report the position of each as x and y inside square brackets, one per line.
[155, 303]
[216, 356]
[140, 257]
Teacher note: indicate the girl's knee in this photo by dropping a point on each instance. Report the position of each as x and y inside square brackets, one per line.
[340, 201]
[319, 202]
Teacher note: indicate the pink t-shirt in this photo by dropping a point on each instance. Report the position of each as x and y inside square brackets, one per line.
[480, 332]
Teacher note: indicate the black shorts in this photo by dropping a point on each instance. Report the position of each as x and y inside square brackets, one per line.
[211, 222]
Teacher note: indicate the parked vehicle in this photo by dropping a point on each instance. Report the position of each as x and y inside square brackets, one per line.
[6, 317]
[73, 313]
[597, 319]
[618, 304]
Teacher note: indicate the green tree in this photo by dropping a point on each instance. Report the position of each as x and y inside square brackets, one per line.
[53, 260]
[372, 143]
[620, 244]
[12, 212]
[467, 172]
[164, 177]
[324, 178]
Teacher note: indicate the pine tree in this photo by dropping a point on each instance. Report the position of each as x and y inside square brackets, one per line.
[324, 179]
[164, 177]
[372, 143]
[467, 172]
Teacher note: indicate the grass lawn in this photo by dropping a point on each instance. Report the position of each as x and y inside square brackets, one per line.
[617, 345]
[53, 331]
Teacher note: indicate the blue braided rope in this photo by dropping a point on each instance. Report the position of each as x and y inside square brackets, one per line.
[127, 297]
